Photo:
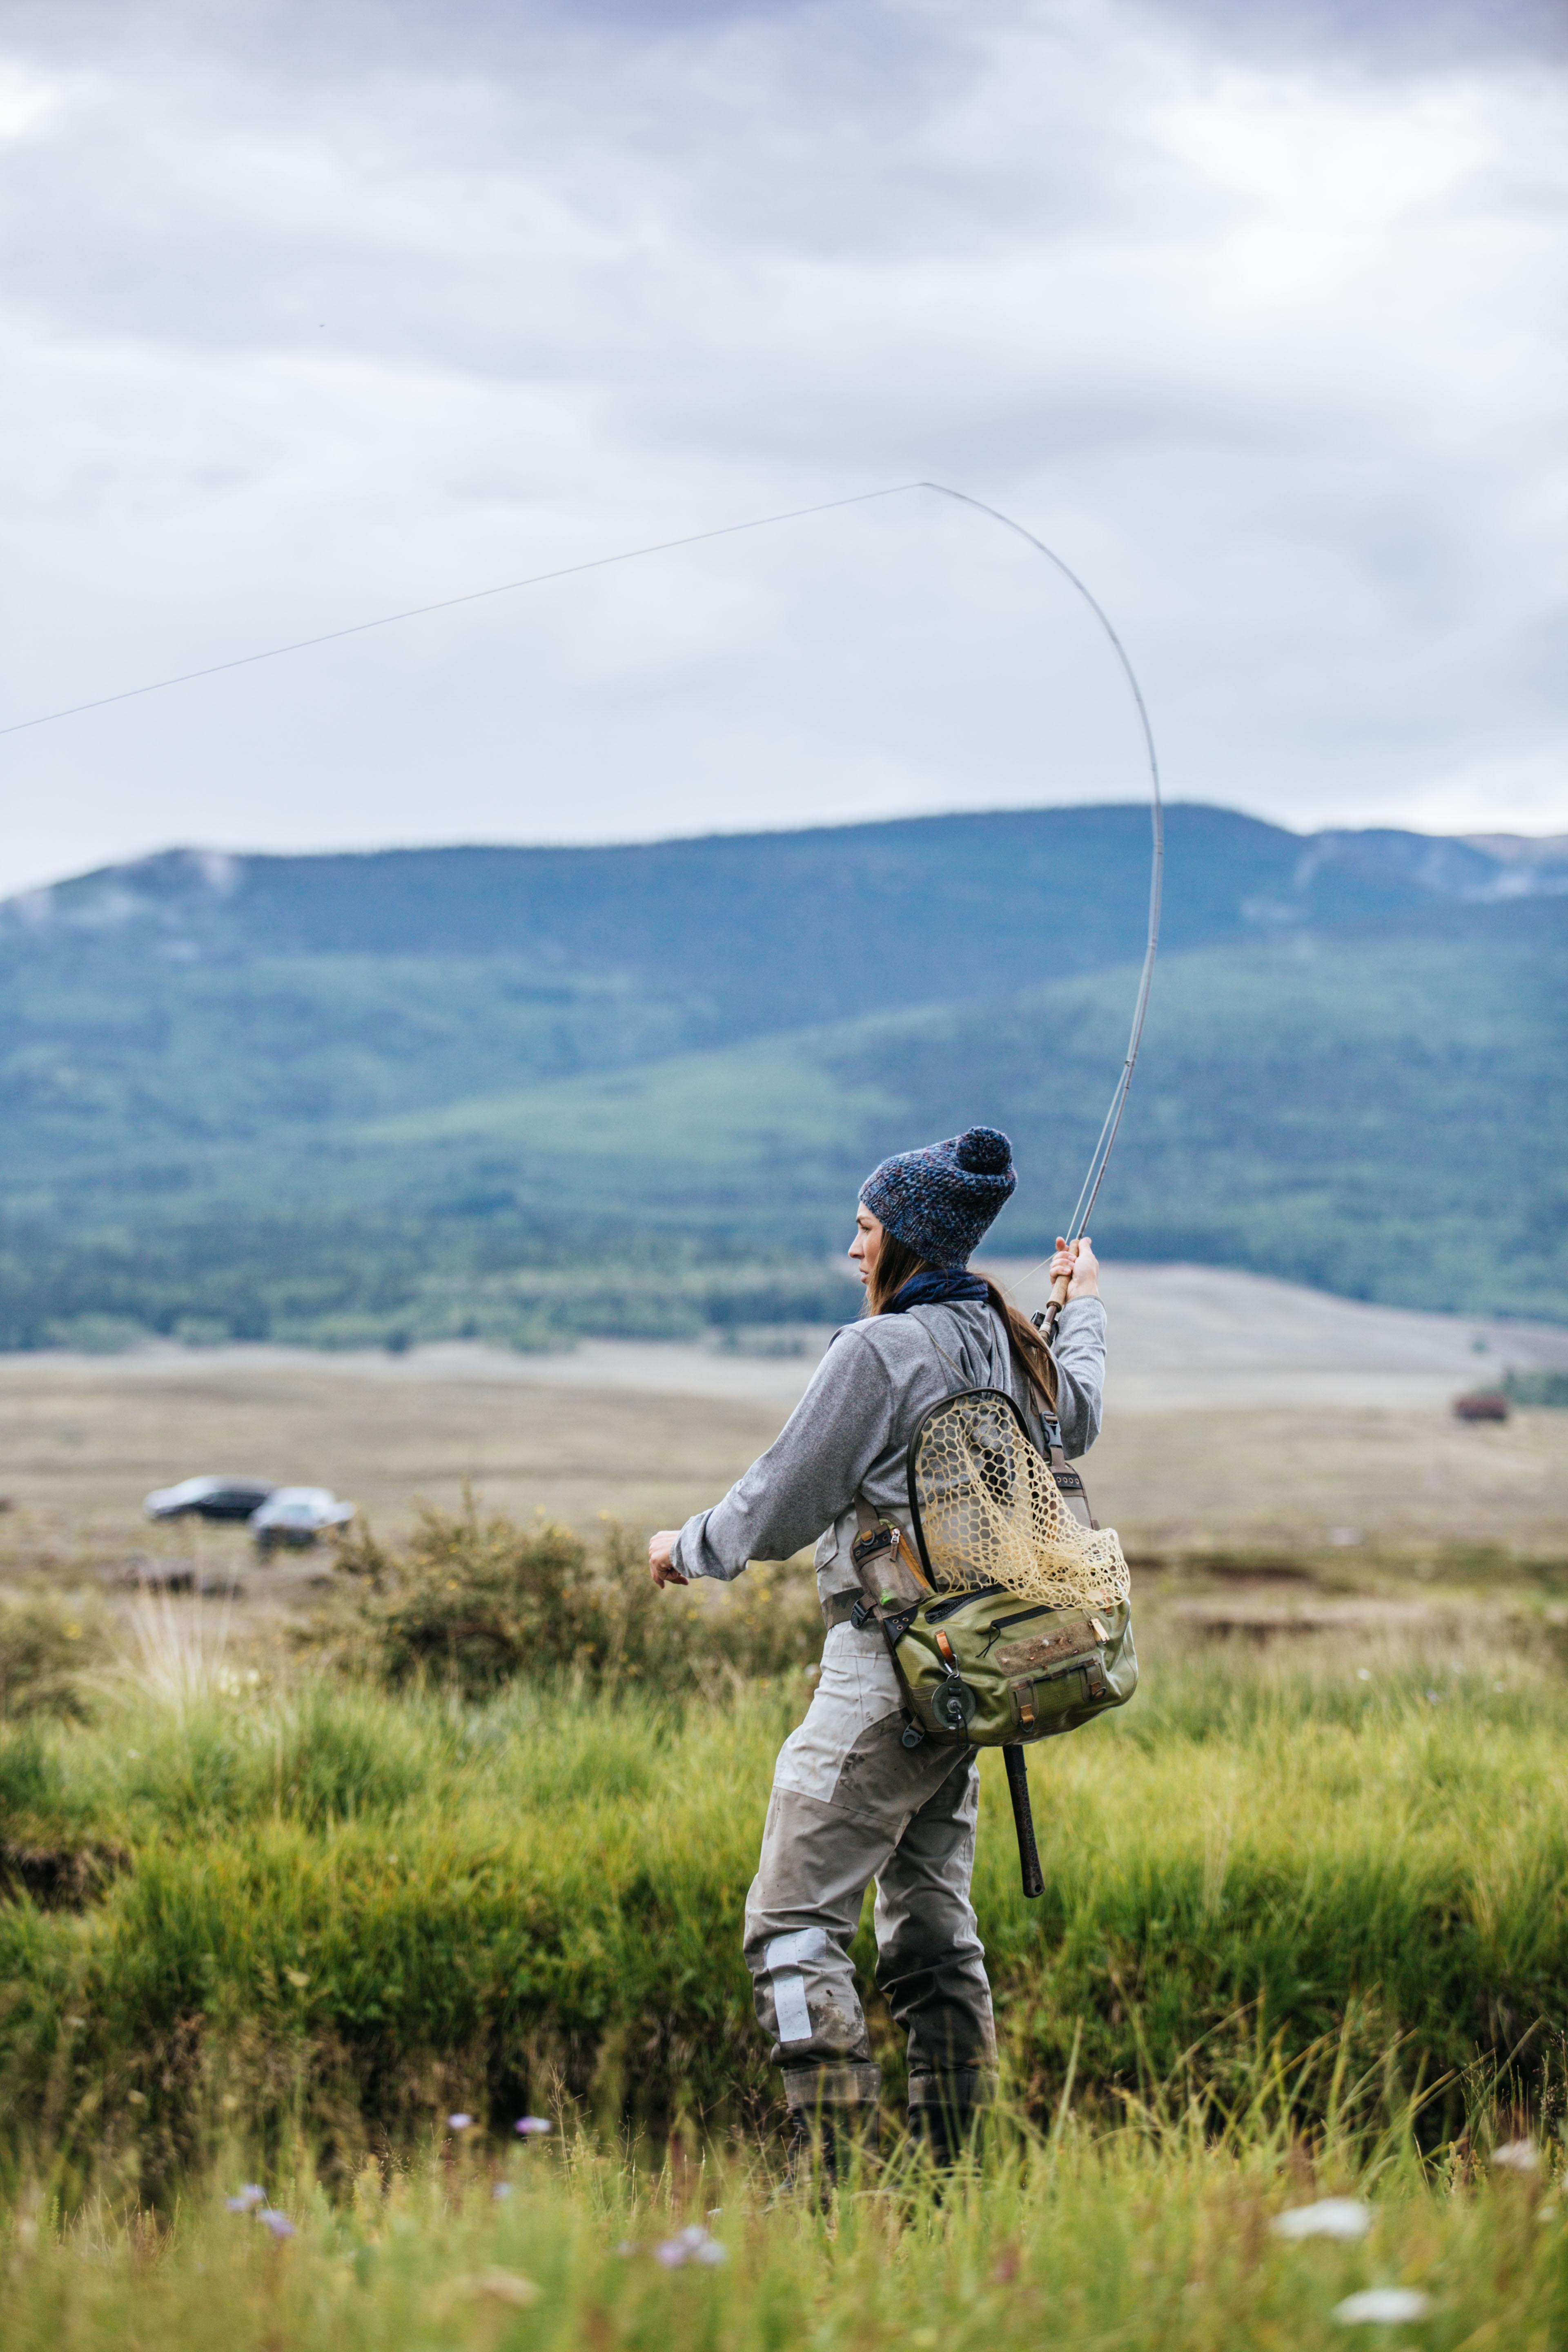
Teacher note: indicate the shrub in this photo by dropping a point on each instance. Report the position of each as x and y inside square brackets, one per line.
[471, 1603]
[47, 1646]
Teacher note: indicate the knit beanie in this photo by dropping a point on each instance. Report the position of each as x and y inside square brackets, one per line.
[941, 1199]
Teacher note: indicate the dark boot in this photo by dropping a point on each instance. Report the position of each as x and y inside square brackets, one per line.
[823, 2144]
[947, 2114]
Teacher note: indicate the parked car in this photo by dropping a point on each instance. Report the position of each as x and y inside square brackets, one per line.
[1482, 1405]
[209, 1498]
[297, 1515]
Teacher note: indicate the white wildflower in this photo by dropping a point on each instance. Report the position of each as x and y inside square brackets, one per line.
[1331, 2217]
[1383, 2306]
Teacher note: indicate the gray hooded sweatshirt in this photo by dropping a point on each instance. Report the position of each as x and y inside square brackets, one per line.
[850, 1432]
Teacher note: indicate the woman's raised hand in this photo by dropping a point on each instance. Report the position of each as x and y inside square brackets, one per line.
[1078, 1260]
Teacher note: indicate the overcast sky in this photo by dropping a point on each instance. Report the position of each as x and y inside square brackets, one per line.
[311, 312]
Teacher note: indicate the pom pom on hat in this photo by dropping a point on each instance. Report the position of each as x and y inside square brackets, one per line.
[941, 1199]
[983, 1152]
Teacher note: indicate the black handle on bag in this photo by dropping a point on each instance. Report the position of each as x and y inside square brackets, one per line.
[1024, 1820]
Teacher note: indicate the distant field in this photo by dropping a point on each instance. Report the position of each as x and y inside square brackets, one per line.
[81, 1442]
[1241, 1413]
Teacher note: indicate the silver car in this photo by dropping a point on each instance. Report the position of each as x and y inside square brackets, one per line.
[297, 1515]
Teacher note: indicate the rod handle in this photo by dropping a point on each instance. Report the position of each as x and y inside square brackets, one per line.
[1024, 1820]
[1047, 1323]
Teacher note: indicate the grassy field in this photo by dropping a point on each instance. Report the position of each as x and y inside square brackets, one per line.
[323, 1907]
[1156, 2234]
[262, 2072]
[266, 1920]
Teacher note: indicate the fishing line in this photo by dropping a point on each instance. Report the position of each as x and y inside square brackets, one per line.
[449, 604]
[1100, 1158]
[1088, 1191]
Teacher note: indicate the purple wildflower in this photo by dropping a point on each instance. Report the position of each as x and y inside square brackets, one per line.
[692, 2245]
[458, 2122]
[249, 2199]
[279, 2223]
[533, 2127]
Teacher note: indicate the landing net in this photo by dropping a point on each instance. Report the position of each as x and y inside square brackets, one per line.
[990, 1513]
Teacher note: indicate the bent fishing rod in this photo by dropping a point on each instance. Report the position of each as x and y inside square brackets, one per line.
[1013, 1755]
[1099, 1158]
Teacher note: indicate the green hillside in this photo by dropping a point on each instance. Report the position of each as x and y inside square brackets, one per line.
[521, 1093]
[1382, 1117]
[1357, 1117]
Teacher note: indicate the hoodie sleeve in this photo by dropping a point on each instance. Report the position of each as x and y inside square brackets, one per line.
[809, 1474]
[1079, 1353]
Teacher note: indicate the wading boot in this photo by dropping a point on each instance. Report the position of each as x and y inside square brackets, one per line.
[826, 2137]
[823, 2148]
[947, 2112]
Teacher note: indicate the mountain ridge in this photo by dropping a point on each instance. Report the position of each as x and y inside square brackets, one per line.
[348, 1095]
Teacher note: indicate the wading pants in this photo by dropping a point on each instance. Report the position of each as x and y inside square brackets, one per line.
[851, 1804]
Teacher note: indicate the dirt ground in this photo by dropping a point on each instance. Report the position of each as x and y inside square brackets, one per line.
[1305, 1424]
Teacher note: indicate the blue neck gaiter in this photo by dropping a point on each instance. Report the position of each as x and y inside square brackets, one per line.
[937, 1287]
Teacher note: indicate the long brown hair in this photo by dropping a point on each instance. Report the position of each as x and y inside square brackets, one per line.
[897, 1262]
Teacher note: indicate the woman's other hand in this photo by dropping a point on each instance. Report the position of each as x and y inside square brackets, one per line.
[661, 1558]
[1077, 1261]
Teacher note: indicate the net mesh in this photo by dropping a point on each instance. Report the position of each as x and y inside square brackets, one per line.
[991, 1514]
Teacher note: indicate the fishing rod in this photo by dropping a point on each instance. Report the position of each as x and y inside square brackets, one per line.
[1099, 1158]
[1088, 1191]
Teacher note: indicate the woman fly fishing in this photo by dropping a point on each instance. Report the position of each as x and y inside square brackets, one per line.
[854, 1798]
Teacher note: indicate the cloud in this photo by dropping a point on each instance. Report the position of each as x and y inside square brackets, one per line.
[313, 314]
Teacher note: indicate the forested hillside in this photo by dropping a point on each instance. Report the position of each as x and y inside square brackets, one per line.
[523, 1092]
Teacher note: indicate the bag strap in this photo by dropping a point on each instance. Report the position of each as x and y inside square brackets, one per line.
[957, 1370]
[1069, 1486]
[881, 1545]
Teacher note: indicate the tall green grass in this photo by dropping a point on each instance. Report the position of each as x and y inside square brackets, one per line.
[336, 1910]
[1138, 2237]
